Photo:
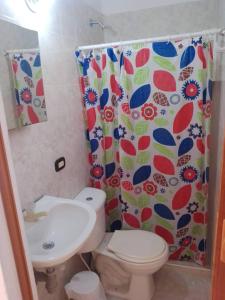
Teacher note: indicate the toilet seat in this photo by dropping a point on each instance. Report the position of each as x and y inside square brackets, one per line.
[137, 246]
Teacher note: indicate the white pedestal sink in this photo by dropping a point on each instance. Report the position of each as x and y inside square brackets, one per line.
[60, 234]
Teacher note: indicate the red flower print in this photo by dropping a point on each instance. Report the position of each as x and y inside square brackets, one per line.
[26, 95]
[127, 185]
[206, 108]
[149, 111]
[108, 114]
[150, 188]
[191, 90]
[185, 242]
[199, 186]
[189, 174]
[97, 171]
[95, 184]
[126, 108]
[114, 181]
[91, 96]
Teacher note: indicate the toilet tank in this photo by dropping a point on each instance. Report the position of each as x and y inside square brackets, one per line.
[96, 199]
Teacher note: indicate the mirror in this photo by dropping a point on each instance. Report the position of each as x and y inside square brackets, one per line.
[21, 76]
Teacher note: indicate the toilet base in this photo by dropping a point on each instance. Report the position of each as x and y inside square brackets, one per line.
[123, 279]
[141, 287]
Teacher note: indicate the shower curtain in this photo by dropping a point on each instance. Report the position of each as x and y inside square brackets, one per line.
[147, 109]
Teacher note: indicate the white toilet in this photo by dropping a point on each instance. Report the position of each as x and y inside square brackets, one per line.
[125, 259]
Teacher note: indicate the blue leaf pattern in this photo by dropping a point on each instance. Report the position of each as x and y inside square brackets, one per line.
[25, 67]
[140, 96]
[185, 146]
[187, 57]
[104, 98]
[164, 137]
[112, 55]
[141, 174]
[183, 221]
[165, 49]
[164, 212]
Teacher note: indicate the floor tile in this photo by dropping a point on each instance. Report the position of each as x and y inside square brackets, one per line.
[181, 282]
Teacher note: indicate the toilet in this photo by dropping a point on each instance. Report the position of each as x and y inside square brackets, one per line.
[125, 259]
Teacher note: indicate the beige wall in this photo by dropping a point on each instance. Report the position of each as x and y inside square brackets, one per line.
[222, 13]
[163, 20]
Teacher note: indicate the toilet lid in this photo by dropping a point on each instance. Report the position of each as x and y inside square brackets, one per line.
[137, 246]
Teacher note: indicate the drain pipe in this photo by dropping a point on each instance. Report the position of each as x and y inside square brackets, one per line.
[51, 283]
[49, 278]
[84, 262]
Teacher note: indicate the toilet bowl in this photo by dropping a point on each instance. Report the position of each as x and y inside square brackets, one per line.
[126, 259]
[126, 262]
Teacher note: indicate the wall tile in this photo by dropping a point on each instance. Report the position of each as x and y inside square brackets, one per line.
[161, 21]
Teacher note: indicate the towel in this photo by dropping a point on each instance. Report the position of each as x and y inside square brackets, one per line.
[25, 66]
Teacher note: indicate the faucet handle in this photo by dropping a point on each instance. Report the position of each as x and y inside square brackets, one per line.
[29, 207]
[34, 217]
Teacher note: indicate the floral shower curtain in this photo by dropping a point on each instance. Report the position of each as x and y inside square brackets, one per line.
[147, 108]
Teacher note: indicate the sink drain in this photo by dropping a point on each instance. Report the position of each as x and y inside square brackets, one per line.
[48, 245]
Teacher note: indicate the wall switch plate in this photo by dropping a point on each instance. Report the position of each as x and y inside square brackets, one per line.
[60, 164]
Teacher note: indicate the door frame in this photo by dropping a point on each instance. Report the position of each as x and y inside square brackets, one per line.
[218, 267]
[13, 224]
[12, 210]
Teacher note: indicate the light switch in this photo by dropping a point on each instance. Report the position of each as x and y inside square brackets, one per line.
[60, 164]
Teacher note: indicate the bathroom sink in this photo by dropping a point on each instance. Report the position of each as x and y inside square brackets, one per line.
[54, 238]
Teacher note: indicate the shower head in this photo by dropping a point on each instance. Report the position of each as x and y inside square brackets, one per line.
[95, 22]
[222, 32]
[102, 26]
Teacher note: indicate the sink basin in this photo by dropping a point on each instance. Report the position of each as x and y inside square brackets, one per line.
[58, 236]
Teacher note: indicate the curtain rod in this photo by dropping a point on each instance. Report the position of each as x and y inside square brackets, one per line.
[6, 52]
[157, 39]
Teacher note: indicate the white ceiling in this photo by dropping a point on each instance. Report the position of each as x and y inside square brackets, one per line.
[108, 7]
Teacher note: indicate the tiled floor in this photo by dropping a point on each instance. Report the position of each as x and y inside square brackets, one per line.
[179, 282]
[182, 283]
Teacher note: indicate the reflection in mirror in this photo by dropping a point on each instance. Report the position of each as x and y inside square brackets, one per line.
[21, 76]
